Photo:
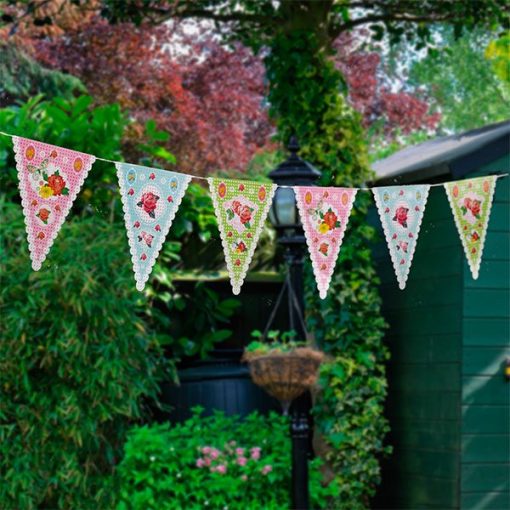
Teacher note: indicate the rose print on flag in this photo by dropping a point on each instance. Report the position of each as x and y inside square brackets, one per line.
[324, 214]
[241, 209]
[50, 178]
[150, 199]
[401, 211]
[471, 202]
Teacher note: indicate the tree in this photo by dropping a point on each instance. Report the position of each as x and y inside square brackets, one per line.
[498, 52]
[23, 77]
[453, 76]
[388, 105]
[190, 95]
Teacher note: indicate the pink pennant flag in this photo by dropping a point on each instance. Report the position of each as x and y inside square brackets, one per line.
[324, 214]
[50, 178]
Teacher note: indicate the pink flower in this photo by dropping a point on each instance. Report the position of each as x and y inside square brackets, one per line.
[239, 451]
[207, 462]
[148, 202]
[214, 454]
[152, 176]
[200, 463]
[267, 469]
[255, 453]
[401, 216]
[206, 450]
[242, 461]
[222, 469]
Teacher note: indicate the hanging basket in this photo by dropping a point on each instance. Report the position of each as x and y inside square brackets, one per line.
[285, 375]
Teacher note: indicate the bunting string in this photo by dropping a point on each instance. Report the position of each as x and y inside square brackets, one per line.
[199, 177]
[50, 178]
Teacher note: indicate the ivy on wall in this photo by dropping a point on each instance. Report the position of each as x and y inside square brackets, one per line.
[306, 100]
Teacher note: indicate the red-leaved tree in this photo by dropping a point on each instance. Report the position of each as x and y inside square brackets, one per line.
[209, 98]
[382, 100]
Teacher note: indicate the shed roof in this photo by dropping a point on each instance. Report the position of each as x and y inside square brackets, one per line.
[439, 156]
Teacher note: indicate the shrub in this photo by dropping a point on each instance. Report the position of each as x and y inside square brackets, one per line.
[75, 363]
[215, 462]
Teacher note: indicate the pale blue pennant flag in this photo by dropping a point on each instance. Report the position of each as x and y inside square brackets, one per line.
[150, 199]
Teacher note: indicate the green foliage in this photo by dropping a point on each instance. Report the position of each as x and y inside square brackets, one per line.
[278, 342]
[77, 359]
[381, 148]
[498, 53]
[212, 462]
[305, 99]
[461, 83]
[188, 323]
[23, 77]
[74, 124]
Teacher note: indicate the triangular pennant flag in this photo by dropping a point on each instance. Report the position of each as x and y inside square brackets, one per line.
[471, 202]
[150, 199]
[50, 178]
[241, 209]
[324, 214]
[401, 211]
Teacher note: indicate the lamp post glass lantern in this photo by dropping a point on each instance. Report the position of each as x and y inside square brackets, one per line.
[284, 216]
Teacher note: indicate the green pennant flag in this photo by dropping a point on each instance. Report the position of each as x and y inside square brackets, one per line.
[471, 202]
[241, 209]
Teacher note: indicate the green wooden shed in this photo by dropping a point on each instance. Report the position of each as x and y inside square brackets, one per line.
[449, 336]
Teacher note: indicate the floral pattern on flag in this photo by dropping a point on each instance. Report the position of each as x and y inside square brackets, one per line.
[49, 178]
[401, 211]
[471, 202]
[324, 214]
[241, 208]
[150, 198]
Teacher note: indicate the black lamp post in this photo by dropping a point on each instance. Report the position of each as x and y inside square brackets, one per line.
[284, 215]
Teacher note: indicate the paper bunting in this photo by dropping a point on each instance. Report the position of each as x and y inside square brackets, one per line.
[401, 211]
[471, 202]
[241, 209]
[49, 178]
[150, 199]
[324, 214]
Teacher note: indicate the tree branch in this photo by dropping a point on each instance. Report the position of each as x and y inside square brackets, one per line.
[374, 18]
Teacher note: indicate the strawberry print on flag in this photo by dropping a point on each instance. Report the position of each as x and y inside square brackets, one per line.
[49, 178]
[471, 202]
[324, 214]
[401, 211]
[241, 209]
[150, 199]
